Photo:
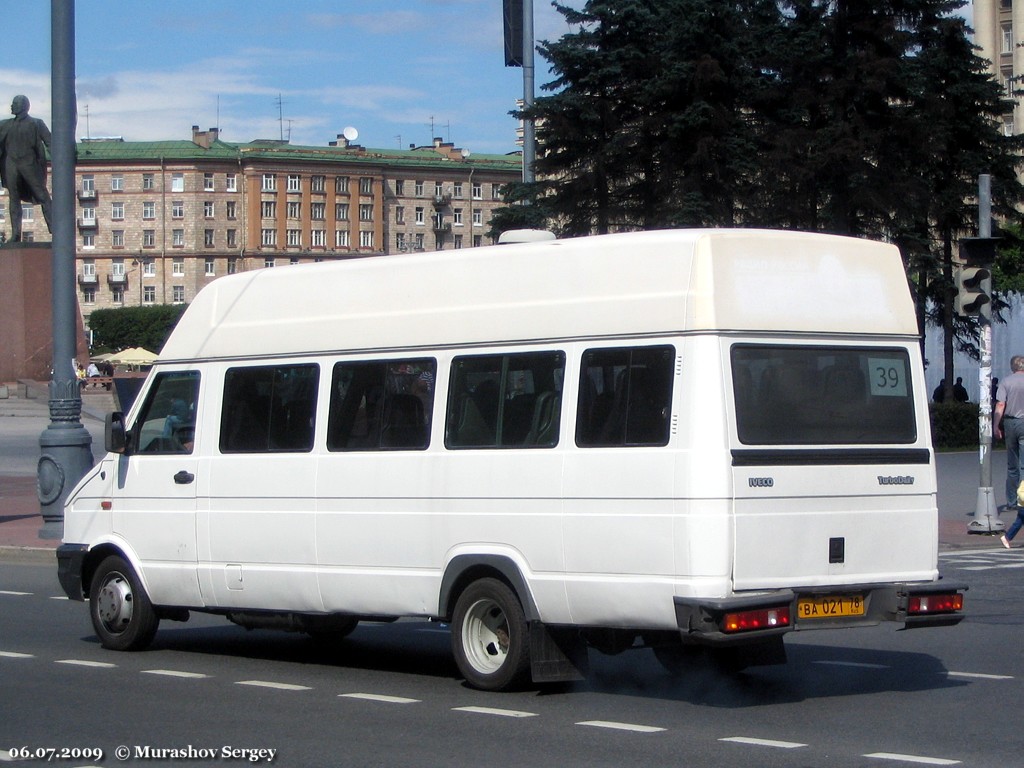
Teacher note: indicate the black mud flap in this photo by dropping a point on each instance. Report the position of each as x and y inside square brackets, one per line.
[557, 654]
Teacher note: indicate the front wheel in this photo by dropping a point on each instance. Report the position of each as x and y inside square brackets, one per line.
[490, 637]
[121, 612]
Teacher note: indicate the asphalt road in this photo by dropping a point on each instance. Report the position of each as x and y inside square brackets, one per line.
[390, 694]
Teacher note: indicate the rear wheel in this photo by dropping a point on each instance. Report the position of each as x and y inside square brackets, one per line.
[121, 612]
[490, 636]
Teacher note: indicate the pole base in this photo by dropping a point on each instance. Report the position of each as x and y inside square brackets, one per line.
[986, 518]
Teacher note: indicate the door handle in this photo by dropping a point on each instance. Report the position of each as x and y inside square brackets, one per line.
[184, 478]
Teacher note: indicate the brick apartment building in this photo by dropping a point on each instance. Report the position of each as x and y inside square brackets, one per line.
[156, 221]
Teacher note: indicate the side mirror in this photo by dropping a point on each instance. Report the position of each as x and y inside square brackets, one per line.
[115, 439]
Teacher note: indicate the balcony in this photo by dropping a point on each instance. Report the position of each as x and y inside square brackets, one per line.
[88, 280]
[443, 200]
[87, 222]
[117, 281]
[442, 228]
[87, 194]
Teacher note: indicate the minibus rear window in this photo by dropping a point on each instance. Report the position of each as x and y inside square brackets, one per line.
[809, 395]
[269, 409]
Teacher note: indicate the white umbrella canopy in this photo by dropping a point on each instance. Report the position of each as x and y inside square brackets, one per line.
[133, 356]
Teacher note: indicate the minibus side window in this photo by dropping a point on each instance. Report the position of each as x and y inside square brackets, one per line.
[809, 395]
[505, 401]
[269, 409]
[381, 405]
[625, 397]
[167, 421]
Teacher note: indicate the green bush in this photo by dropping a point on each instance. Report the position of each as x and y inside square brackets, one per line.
[954, 425]
[122, 327]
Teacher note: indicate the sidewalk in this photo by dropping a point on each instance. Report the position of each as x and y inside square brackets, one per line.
[21, 521]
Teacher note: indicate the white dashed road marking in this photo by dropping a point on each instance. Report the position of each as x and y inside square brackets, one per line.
[980, 675]
[86, 663]
[16, 655]
[860, 664]
[378, 697]
[14, 594]
[493, 711]
[278, 686]
[764, 742]
[912, 758]
[173, 673]
[621, 726]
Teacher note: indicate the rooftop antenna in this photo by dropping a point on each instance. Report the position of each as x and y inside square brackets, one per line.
[87, 134]
[398, 138]
[280, 115]
[218, 113]
[290, 121]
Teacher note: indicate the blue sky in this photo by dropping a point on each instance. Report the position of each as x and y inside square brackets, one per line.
[150, 69]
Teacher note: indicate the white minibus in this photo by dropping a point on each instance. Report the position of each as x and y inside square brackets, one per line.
[695, 441]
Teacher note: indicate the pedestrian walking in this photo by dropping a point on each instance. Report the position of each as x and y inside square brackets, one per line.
[1009, 423]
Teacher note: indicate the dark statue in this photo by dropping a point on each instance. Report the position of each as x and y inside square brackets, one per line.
[24, 141]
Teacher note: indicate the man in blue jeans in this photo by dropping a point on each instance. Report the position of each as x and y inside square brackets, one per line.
[1009, 422]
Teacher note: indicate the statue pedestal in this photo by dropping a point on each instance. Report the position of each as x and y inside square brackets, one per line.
[26, 313]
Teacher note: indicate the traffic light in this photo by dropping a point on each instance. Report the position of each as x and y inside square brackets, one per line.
[972, 284]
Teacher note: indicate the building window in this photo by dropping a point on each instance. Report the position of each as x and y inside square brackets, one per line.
[208, 182]
[148, 181]
[294, 210]
[457, 241]
[457, 217]
[149, 210]
[496, 191]
[28, 213]
[295, 238]
[419, 241]
[399, 187]
[365, 239]
[400, 241]
[457, 189]
[478, 217]
[148, 238]
[438, 189]
[420, 215]
[177, 209]
[317, 238]
[89, 241]
[88, 214]
[366, 186]
[341, 185]
[478, 190]
[208, 267]
[177, 238]
[117, 211]
[230, 208]
[268, 262]
[117, 270]
[208, 238]
[178, 267]
[1007, 35]
[231, 183]
[178, 294]
[149, 294]
[117, 183]
[177, 182]
[88, 186]
[149, 268]
[341, 238]
[418, 188]
[268, 209]
[232, 265]
[318, 211]
[88, 295]
[208, 209]
[294, 182]
[341, 211]
[232, 238]
[366, 211]
[268, 237]
[117, 238]
[318, 183]
[117, 295]
[400, 214]
[269, 182]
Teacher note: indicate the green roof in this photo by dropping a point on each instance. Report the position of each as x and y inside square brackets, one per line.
[117, 150]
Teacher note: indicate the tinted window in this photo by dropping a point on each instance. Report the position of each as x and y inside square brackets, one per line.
[167, 422]
[384, 405]
[625, 397]
[798, 395]
[505, 401]
[269, 409]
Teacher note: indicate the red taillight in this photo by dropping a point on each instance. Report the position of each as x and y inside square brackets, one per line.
[924, 604]
[764, 618]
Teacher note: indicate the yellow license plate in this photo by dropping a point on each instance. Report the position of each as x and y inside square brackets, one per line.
[830, 606]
